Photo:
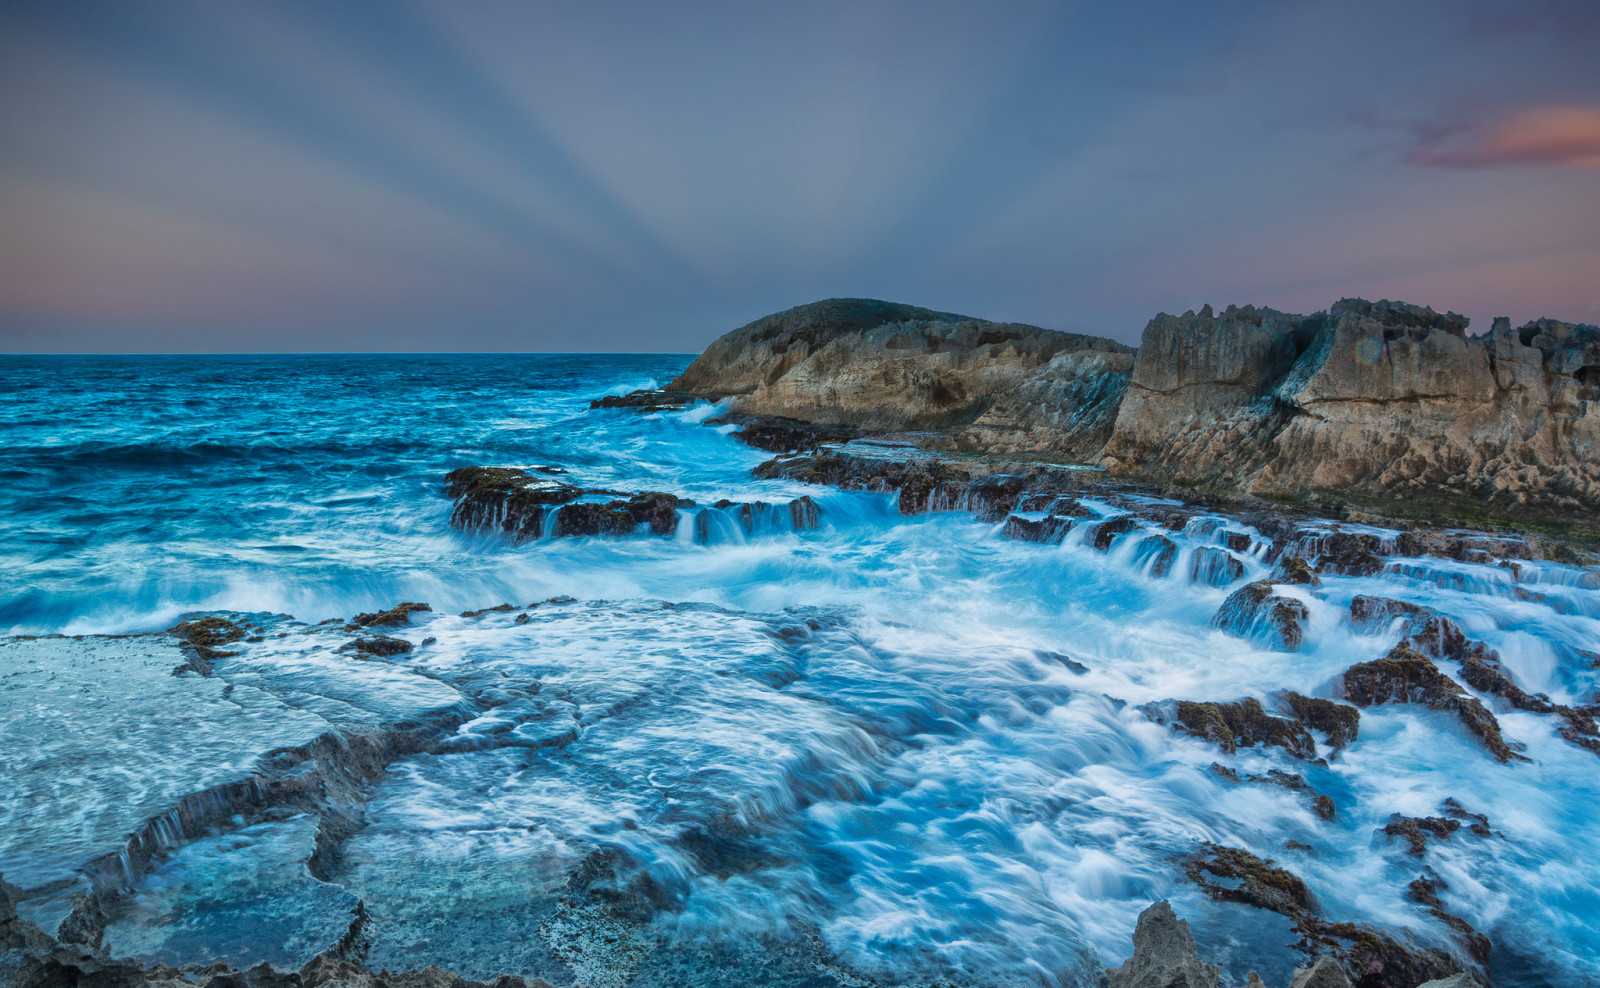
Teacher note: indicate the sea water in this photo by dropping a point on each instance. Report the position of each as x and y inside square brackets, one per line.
[887, 750]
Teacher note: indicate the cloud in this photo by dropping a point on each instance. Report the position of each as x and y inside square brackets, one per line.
[1545, 136]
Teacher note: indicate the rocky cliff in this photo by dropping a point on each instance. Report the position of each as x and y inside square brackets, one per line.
[1368, 401]
[873, 365]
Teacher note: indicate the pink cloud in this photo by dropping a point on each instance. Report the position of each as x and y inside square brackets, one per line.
[1545, 136]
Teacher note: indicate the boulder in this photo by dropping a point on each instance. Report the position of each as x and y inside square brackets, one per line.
[1325, 973]
[1214, 567]
[1254, 611]
[1407, 676]
[1050, 529]
[1157, 553]
[506, 499]
[1244, 724]
[397, 616]
[1163, 955]
[1339, 722]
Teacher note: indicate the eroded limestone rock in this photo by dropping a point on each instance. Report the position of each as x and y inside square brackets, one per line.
[1163, 955]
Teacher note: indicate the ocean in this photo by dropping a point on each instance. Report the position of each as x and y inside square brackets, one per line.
[887, 750]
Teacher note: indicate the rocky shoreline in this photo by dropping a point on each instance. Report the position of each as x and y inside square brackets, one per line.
[1383, 406]
[1051, 439]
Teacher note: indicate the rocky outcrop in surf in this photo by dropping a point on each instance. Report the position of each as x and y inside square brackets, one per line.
[1164, 953]
[512, 502]
[1368, 401]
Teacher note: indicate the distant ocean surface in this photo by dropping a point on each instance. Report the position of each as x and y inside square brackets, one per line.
[891, 748]
[140, 487]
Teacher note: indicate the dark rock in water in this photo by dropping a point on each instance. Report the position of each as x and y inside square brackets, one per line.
[914, 494]
[1407, 676]
[658, 510]
[1356, 562]
[1254, 611]
[594, 518]
[381, 645]
[804, 513]
[646, 401]
[201, 638]
[207, 632]
[1054, 504]
[524, 507]
[787, 435]
[1321, 804]
[1066, 660]
[1374, 613]
[1377, 959]
[397, 616]
[1163, 955]
[1049, 530]
[1479, 824]
[1295, 569]
[505, 499]
[991, 498]
[757, 518]
[1424, 890]
[1244, 724]
[1232, 874]
[1107, 531]
[1214, 567]
[501, 608]
[1437, 637]
[1339, 722]
[1157, 552]
[1416, 830]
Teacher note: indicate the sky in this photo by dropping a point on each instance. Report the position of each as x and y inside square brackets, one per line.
[262, 176]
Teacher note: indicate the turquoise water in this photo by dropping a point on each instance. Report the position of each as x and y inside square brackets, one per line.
[840, 754]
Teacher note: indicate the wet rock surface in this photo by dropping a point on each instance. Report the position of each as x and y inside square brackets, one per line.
[1254, 611]
[397, 616]
[1367, 957]
[525, 508]
[1407, 676]
[1321, 803]
[1244, 724]
[1163, 955]
[1435, 636]
[1341, 723]
[646, 401]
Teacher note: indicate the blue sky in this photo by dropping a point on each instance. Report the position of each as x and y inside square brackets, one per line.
[207, 175]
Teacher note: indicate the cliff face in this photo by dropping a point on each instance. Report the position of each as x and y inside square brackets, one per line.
[1367, 400]
[1004, 387]
[1371, 400]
